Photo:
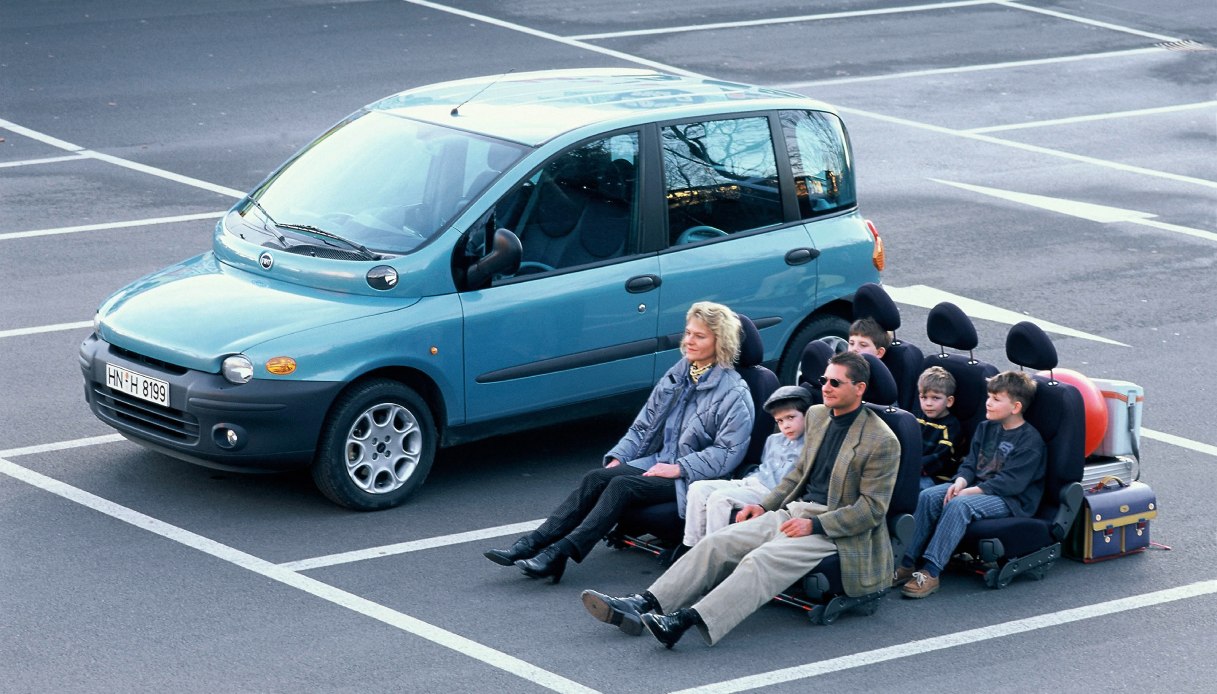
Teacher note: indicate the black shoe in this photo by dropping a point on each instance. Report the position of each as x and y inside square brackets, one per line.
[524, 548]
[623, 613]
[669, 628]
[550, 563]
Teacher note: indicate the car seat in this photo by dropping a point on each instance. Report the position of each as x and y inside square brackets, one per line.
[662, 522]
[1004, 548]
[947, 326]
[901, 358]
[821, 592]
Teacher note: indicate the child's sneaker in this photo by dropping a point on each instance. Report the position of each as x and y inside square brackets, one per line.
[920, 585]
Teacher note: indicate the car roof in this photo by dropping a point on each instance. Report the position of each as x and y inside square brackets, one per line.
[534, 107]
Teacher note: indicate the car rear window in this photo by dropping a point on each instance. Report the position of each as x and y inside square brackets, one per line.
[819, 157]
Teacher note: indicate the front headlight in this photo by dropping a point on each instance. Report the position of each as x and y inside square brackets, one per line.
[238, 369]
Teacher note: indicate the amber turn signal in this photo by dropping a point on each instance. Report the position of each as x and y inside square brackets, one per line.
[281, 366]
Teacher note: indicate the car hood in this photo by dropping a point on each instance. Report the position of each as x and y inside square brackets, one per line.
[197, 312]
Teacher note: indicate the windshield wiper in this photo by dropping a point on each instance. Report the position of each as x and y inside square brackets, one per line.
[282, 239]
[308, 228]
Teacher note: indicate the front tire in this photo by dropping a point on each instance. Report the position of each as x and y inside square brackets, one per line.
[376, 448]
[821, 326]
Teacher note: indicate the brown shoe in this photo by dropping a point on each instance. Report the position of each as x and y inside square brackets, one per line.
[903, 574]
[920, 585]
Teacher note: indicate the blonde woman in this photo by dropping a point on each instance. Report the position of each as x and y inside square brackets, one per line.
[694, 426]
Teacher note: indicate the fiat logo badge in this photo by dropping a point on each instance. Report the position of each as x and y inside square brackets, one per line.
[266, 261]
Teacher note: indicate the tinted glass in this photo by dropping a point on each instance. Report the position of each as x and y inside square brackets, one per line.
[580, 208]
[819, 157]
[721, 178]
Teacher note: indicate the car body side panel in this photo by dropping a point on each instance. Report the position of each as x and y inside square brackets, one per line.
[558, 340]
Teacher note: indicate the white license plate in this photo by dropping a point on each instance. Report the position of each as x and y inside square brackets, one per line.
[137, 384]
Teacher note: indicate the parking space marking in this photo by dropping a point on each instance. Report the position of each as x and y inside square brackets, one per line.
[61, 445]
[960, 638]
[412, 546]
[780, 20]
[1094, 117]
[574, 43]
[1036, 149]
[118, 161]
[1100, 214]
[16, 332]
[336, 596]
[45, 160]
[928, 297]
[1084, 20]
[1179, 441]
[111, 225]
[1032, 62]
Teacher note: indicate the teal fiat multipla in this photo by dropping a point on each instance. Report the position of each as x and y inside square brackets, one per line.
[483, 256]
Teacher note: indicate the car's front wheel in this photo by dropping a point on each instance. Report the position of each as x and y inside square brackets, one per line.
[376, 447]
[817, 328]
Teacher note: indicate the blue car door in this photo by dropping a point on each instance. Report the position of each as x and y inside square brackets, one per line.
[578, 320]
[729, 238]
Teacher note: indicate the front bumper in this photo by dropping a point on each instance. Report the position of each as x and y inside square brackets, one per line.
[277, 423]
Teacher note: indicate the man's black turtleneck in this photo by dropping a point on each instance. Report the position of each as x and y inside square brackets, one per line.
[821, 468]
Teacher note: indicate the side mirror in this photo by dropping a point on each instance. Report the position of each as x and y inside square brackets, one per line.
[503, 259]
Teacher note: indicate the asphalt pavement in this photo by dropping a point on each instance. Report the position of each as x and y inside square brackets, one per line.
[1048, 160]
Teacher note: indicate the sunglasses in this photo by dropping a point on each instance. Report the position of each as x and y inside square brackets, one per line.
[835, 383]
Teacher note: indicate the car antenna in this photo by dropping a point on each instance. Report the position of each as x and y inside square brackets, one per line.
[456, 109]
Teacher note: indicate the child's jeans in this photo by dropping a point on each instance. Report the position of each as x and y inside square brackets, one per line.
[941, 528]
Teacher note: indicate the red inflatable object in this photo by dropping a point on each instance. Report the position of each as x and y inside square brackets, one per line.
[1095, 405]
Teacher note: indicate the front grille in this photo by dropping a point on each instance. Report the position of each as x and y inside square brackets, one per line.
[157, 363]
[144, 416]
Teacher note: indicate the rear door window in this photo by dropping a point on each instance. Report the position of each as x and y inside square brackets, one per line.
[819, 158]
[720, 178]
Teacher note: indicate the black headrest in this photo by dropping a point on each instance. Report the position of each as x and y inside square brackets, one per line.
[1028, 346]
[751, 349]
[871, 301]
[948, 326]
[881, 389]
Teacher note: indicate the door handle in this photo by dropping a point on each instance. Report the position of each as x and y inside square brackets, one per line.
[800, 256]
[642, 283]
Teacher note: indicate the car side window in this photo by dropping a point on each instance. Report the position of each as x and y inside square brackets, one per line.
[721, 178]
[580, 208]
[819, 156]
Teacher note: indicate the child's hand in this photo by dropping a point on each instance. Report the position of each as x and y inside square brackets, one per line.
[749, 512]
[953, 491]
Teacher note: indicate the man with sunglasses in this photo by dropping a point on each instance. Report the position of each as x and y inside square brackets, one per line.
[833, 501]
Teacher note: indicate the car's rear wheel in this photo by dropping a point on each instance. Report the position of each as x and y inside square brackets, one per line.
[376, 447]
[819, 327]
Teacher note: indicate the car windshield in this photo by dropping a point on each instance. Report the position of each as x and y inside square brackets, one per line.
[386, 182]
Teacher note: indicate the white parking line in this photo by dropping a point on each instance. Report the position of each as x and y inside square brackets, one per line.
[15, 332]
[118, 161]
[972, 68]
[412, 546]
[960, 638]
[1179, 441]
[110, 225]
[45, 160]
[553, 37]
[61, 445]
[342, 598]
[1090, 22]
[1095, 117]
[1095, 161]
[780, 20]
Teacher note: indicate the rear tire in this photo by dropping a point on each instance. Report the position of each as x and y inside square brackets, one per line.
[818, 327]
[376, 448]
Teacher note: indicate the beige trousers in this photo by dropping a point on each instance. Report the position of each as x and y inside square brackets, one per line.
[741, 567]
